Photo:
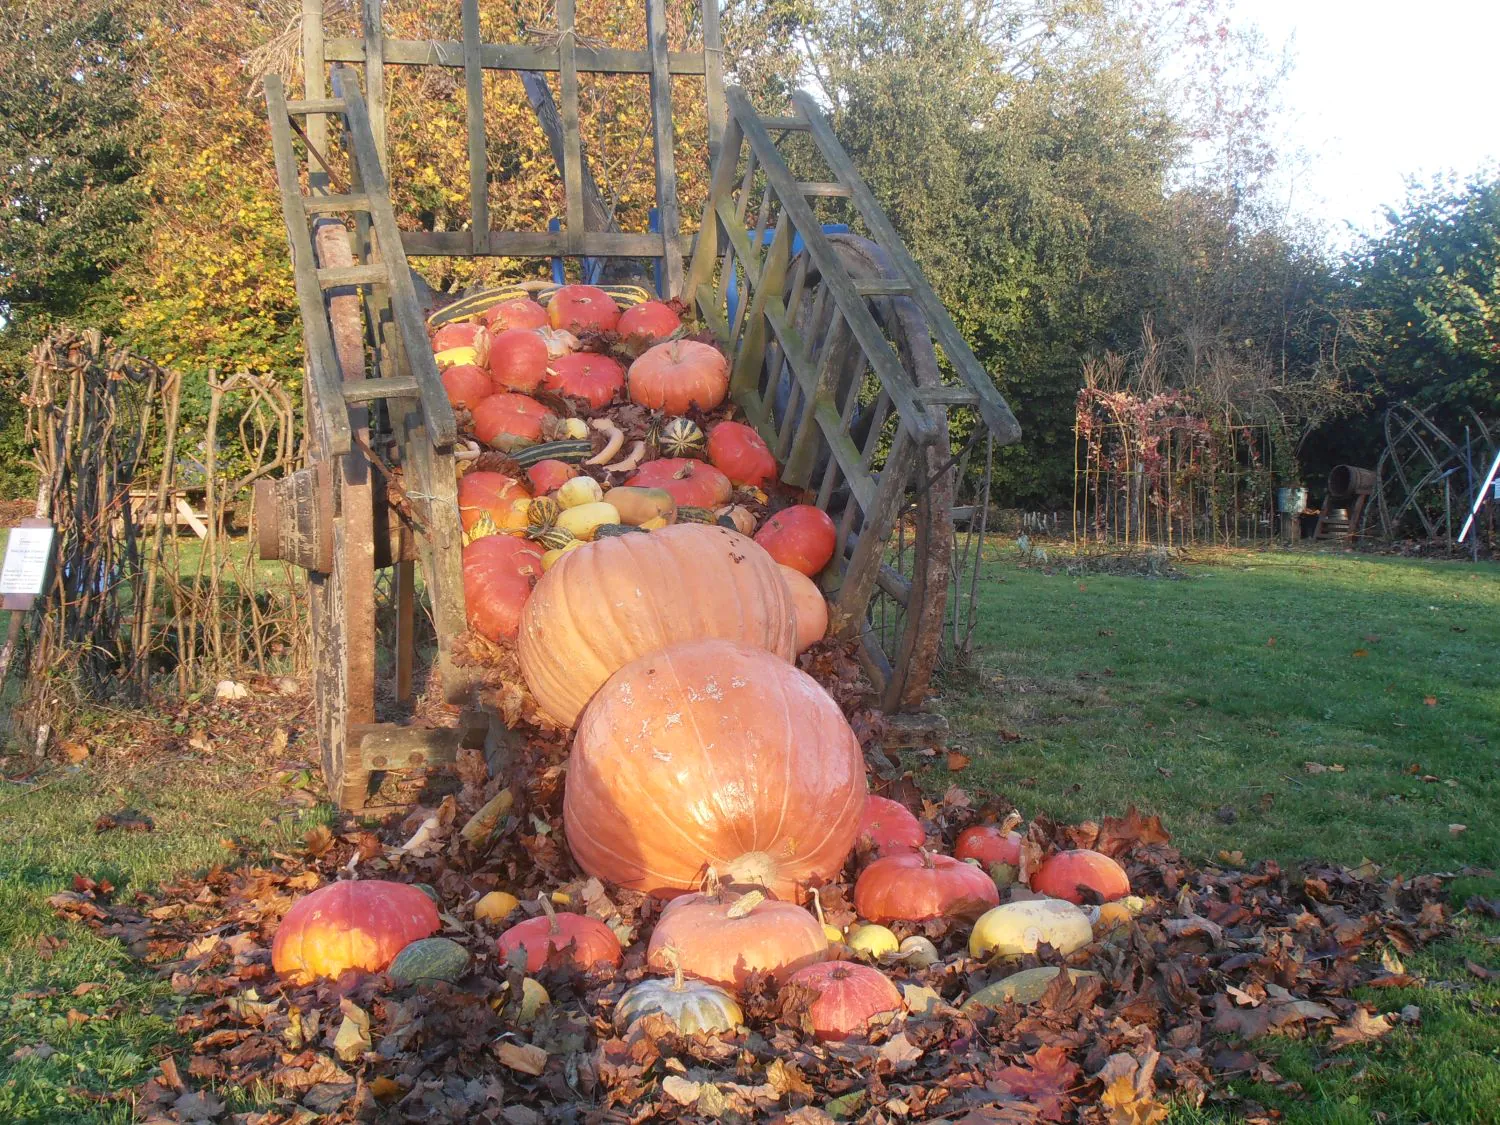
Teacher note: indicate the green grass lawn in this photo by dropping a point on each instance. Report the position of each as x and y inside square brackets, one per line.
[1168, 694]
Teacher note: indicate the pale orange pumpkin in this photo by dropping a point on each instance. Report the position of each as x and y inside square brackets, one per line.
[723, 938]
[652, 319]
[550, 475]
[849, 997]
[679, 375]
[357, 924]
[508, 422]
[590, 376]
[598, 609]
[693, 484]
[577, 308]
[1063, 874]
[499, 572]
[712, 754]
[741, 454]
[517, 359]
[551, 938]
[810, 605]
[916, 886]
[888, 826]
[467, 385]
[987, 844]
[462, 334]
[802, 537]
[519, 312]
[492, 496]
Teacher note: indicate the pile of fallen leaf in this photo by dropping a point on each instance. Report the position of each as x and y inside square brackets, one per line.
[1224, 956]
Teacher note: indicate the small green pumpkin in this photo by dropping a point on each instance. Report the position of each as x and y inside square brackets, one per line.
[680, 437]
[434, 958]
[551, 537]
[696, 515]
[1025, 987]
[608, 530]
[689, 1006]
[543, 512]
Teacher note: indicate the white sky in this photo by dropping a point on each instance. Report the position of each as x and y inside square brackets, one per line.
[1380, 90]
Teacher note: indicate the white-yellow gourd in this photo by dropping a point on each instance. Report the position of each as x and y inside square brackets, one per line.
[579, 491]
[1017, 928]
[582, 520]
[872, 940]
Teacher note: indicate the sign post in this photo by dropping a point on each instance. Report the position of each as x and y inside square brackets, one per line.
[23, 578]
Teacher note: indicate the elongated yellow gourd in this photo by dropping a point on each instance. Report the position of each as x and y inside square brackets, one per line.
[583, 519]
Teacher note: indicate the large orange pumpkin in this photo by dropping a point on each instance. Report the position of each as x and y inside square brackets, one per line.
[464, 334]
[549, 938]
[1063, 874]
[492, 496]
[509, 421]
[583, 307]
[692, 484]
[916, 886]
[519, 312]
[724, 938]
[590, 376]
[713, 754]
[499, 572]
[888, 826]
[741, 454]
[651, 319]
[467, 385]
[811, 607]
[801, 537]
[600, 608]
[680, 375]
[849, 997]
[518, 359]
[360, 924]
[987, 844]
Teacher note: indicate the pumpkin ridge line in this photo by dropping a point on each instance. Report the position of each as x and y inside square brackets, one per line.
[861, 789]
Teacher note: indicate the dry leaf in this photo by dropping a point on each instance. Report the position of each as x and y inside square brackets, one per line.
[276, 744]
[524, 1057]
[1360, 653]
[318, 840]
[1128, 1106]
[1430, 700]
[680, 1090]
[1361, 1028]
[479, 827]
[353, 1038]
[75, 752]
[957, 761]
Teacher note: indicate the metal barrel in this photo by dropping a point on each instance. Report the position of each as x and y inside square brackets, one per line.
[1347, 480]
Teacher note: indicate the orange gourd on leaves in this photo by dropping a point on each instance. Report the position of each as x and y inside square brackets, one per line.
[508, 422]
[549, 475]
[916, 886]
[849, 997]
[692, 484]
[801, 537]
[578, 308]
[810, 606]
[654, 320]
[517, 359]
[724, 938]
[679, 375]
[888, 826]
[358, 924]
[590, 376]
[519, 312]
[499, 573]
[741, 454]
[550, 938]
[1061, 875]
[987, 844]
[486, 495]
[463, 334]
[467, 385]
[712, 754]
[621, 598]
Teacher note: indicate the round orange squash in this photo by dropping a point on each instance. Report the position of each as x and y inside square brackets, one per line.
[712, 754]
[651, 319]
[987, 844]
[916, 886]
[692, 484]
[508, 422]
[801, 537]
[679, 375]
[888, 826]
[549, 475]
[849, 997]
[590, 376]
[600, 608]
[550, 938]
[518, 359]
[492, 496]
[467, 385]
[358, 924]
[741, 454]
[463, 334]
[811, 607]
[577, 308]
[518, 312]
[723, 938]
[499, 572]
[1063, 874]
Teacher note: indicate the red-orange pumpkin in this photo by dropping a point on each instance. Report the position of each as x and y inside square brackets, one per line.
[692, 484]
[519, 312]
[590, 376]
[467, 385]
[741, 454]
[651, 319]
[712, 754]
[464, 334]
[1061, 875]
[915, 886]
[810, 605]
[482, 494]
[549, 475]
[888, 826]
[849, 997]
[679, 375]
[987, 844]
[359, 924]
[801, 537]
[509, 421]
[600, 608]
[518, 359]
[549, 938]
[583, 307]
[499, 572]
[723, 938]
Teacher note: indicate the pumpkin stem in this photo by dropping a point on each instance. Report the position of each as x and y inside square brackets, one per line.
[711, 884]
[746, 903]
[554, 926]
[669, 955]
[1012, 819]
[817, 905]
[926, 858]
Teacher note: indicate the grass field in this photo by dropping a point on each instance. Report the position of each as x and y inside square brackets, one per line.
[1201, 699]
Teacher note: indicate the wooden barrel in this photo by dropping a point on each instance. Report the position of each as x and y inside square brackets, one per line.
[1347, 480]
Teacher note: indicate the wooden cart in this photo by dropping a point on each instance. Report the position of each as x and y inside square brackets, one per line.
[831, 338]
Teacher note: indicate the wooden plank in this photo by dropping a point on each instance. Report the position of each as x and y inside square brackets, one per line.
[882, 357]
[712, 315]
[514, 56]
[800, 458]
[309, 107]
[185, 510]
[323, 366]
[947, 396]
[386, 746]
[567, 48]
[881, 287]
[785, 124]
[739, 238]
[752, 350]
[406, 621]
[721, 183]
[334, 204]
[992, 405]
[535, 244]
[374, 29]
[392, 386]
[824, 190]
[865, 562]
[337, 276]
[669, 217]
[314, 89]
[713, 73]
[441, 426]
[479, 173]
